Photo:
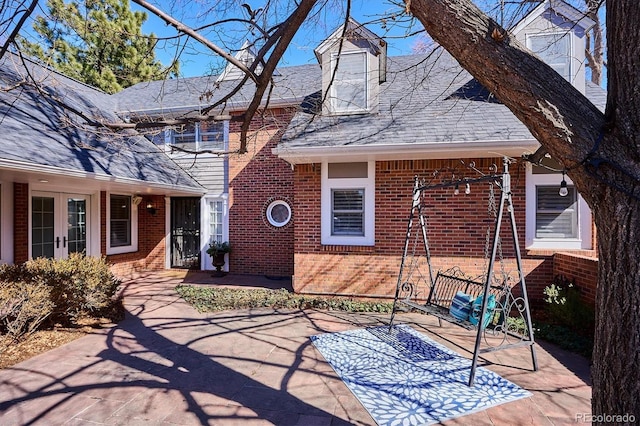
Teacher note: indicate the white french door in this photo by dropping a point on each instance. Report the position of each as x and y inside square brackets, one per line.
[59, 224]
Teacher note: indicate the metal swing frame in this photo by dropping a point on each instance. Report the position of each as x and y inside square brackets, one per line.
[407, 295]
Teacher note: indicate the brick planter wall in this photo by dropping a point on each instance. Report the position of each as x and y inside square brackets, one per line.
[582, 269]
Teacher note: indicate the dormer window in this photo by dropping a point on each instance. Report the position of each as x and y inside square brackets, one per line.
[200, 136]
[348, 92]
[554, 49]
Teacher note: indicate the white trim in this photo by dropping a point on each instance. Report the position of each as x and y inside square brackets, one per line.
[27, 167]
[6, 222]
[205, 235]
[382, 152]
[583, 241]
[167, 235]
[270, 208]
[368, 184]
[133, 247]
[560, 8]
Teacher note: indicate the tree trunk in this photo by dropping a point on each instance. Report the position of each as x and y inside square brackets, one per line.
[601, 153]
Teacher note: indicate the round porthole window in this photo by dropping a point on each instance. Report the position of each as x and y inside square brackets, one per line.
[278, 213]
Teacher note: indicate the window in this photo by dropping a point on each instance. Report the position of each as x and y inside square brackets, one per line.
[349, 86]
[348, 203]
[554, 49]
[556, 216]
[122, 225]
[347, 210]
[216, 221]
[278, 213]
[554, 221]
[201, 136]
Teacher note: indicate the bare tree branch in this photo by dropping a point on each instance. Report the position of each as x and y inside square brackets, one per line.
[18, 27]
[181, 27]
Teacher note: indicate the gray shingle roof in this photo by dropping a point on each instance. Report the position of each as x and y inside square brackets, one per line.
[36, 130]
[175, 97]
[424, 101]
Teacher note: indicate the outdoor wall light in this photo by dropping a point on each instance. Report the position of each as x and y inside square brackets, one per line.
[152, 210]
[563, 192]
[467, 189]
[456, 190]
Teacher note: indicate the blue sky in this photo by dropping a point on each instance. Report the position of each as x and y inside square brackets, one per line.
[197, 60]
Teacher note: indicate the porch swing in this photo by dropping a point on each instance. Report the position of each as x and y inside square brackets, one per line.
[486, 304]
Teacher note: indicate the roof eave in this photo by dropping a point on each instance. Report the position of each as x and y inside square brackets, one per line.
[439, 150]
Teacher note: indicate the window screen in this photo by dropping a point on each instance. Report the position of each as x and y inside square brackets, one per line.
[120, 220]
[556, 216]
[349, 88]
[347, 208]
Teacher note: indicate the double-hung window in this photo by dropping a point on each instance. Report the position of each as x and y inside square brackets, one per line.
[553, 49]
[348, 203]
[348, 91]
[201, 136]
[554, 220]
[122, 224]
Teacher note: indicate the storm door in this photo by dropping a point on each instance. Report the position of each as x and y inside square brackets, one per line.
[185, 233]
[59, 224]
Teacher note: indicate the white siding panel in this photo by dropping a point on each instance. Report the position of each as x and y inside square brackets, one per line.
[209, 171]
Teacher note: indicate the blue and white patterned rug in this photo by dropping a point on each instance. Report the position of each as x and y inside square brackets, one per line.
[403, 377]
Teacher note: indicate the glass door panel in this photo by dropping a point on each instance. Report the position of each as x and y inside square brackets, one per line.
[59, 224]
[76, 239]
[42, 227]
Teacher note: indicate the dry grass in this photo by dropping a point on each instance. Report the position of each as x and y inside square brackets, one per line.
[13, 352]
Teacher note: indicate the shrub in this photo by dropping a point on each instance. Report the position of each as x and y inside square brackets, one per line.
[565, 307]
[24, 307]
[73, 287]
[219, 299]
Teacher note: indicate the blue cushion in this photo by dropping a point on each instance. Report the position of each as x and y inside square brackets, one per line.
[461, 306]
[476, 307]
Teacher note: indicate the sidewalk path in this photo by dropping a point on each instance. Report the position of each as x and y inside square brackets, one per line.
[168, 364]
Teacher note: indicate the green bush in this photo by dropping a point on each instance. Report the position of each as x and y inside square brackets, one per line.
[565, 307]
[76, 286]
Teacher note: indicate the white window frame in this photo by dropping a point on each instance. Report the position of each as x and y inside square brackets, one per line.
[205, 226]
[335, 96]
[327, 185]
[133, 247]
[557, 35]
[170, 137]
[584, 221]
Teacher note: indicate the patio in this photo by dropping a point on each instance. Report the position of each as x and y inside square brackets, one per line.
[168, 364]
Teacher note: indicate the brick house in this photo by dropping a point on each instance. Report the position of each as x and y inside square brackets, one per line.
[383, 121]
[69, 187]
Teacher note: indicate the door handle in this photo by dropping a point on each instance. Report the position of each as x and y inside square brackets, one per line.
[64, 242]
[57, 242]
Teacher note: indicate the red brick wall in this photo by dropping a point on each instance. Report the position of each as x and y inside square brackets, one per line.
[257, 178]
[457, 227]
[582, 269]
[20, 222]
[151, 238]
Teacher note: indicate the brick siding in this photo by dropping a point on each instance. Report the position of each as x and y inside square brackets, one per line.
[457, 227]
[151, 238]
[582, 269]
[256, 179]
[20, 222]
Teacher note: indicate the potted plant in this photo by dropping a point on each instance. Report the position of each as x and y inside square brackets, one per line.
[217, 250]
